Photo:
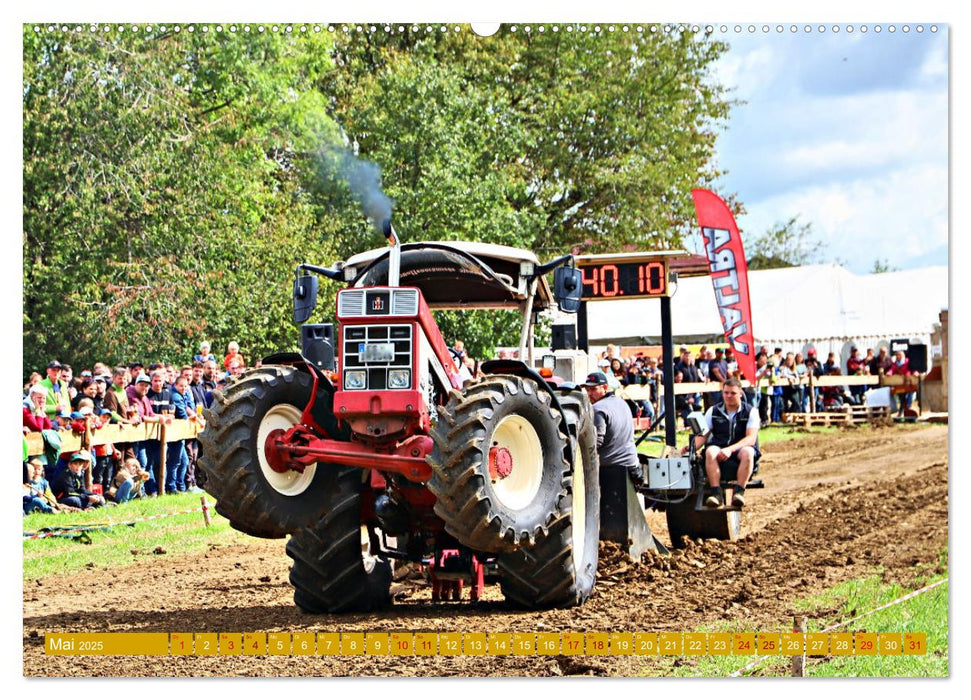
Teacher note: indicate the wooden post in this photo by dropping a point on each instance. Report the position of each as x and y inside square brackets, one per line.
[86, 445]
[799, 661]
[812, 391]
[161, 456]
[205, 510]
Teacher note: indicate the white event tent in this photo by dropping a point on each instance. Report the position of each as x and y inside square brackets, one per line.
[821, 306]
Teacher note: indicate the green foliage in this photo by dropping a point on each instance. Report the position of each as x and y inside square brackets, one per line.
[880, 266]
[162, 196]
[549, 141]
[784, 245]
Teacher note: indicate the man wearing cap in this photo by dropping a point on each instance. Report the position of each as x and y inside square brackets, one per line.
[814, 367]
[57, 394]
[732, 444]
[138, 399]
[717, 372]
[69, 484]
[615, 428]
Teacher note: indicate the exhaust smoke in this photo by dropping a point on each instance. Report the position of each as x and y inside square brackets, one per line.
[364, 180]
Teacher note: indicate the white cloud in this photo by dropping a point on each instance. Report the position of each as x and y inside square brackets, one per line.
[875, 130]
[736, 67]
[867, 219]
[829, 135]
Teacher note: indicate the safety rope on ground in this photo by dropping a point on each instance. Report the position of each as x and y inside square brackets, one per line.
[913, 594]
[71, 531]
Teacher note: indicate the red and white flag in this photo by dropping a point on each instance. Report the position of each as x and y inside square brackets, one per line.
[729, 275]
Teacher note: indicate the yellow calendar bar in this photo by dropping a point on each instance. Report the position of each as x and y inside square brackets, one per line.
[426, 643]
[450, 644]
[486, 644]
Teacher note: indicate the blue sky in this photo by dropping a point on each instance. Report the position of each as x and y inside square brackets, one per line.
[847, 131]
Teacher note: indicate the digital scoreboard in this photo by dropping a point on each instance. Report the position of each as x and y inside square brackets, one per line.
[631, 276]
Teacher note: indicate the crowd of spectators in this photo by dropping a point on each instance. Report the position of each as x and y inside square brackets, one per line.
[131, 394]
[780, 383]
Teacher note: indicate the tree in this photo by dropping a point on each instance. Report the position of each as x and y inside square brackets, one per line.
[162, 197]
[788, 244]
[551, 141]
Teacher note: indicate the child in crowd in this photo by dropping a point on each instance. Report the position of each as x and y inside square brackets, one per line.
[33, 492]
[128, 482]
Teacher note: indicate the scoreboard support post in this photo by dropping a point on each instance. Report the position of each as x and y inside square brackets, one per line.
[582, 341]
[667, 371]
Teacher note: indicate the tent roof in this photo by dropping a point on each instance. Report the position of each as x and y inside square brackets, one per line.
[789, 305]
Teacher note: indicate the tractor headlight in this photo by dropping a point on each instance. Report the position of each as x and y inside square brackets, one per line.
[355, 379]
[399, 379]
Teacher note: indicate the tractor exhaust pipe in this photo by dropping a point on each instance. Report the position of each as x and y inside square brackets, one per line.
[394, 258]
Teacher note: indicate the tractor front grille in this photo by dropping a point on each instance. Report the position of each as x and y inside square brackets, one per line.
[391, 349]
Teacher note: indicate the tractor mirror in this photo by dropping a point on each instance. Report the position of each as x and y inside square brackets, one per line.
[568, 288]
[304, 297]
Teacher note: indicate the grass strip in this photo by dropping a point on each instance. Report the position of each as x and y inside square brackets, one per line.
[178, 534]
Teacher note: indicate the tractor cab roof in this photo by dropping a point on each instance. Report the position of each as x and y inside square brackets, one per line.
[456, 274]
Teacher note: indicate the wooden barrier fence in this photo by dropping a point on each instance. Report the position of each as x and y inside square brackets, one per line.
[175, 429]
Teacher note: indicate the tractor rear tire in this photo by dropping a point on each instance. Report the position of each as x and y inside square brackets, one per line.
[561, 569]
[513, 420]
[332, 572]
[255, 499]
[683, 520]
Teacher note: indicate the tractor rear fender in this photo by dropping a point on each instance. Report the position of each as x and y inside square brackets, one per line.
[319, 417]
[295, 359]
[521, 369]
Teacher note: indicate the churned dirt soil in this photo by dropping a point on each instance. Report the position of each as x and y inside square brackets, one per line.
[833, 508]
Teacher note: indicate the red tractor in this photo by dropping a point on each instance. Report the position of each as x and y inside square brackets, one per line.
[377, 448]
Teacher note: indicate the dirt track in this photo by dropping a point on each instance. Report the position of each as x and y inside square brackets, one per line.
[832, 509]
